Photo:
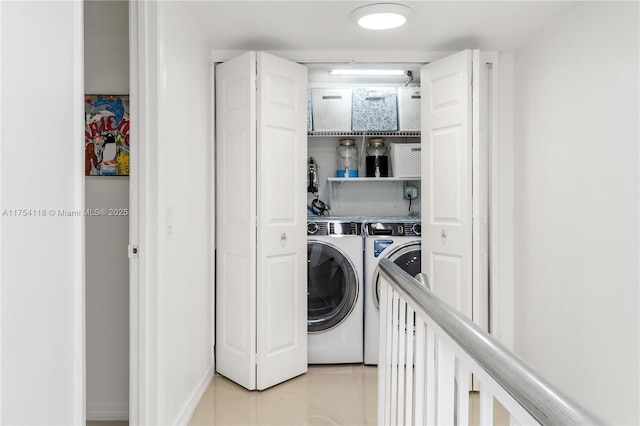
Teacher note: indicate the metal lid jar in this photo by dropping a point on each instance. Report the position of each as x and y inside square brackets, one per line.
[377, 162]
[347, 160]
[377, 147]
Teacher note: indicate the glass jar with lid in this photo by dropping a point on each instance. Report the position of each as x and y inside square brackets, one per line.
[377, 161]
[348, 158]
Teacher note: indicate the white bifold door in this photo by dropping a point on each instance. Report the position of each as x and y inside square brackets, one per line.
[261, 279]
[453, 181]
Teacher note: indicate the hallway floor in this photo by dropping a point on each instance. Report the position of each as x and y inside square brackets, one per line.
[326, 395]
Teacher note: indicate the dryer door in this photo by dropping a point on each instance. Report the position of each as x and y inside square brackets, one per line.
[332, 286]
[407, 256]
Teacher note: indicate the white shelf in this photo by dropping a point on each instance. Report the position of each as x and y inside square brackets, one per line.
[401, 133]
[373, 179]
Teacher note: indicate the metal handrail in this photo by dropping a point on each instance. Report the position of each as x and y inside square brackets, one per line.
[543, 401]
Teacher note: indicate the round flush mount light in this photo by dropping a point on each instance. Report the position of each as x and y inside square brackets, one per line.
[381, 16]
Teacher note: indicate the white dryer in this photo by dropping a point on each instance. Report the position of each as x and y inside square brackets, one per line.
[398, 241]
[335, 320]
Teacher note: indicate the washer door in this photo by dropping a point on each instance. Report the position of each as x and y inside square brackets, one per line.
[332, 285]
[406, 256]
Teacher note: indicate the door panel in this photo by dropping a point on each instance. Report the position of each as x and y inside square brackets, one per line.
[280, 209]
[448, 287]
[235, 220]
[279, 290]
[446, 197]
[281, 206]
[446, 176]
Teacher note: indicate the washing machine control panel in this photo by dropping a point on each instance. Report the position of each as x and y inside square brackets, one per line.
[334, 227]
[394, 229]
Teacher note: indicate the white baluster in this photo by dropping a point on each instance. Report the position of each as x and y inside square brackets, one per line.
[446, 384]
[402, 334]
[431, 377]
[394, 357]
[420, 381]
[384, 373]
[486, 406]
[409, 401]
[462, 406]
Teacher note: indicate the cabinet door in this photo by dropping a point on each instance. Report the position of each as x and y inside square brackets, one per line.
[282, 218]
[261, 281]
[236, 219]
[446, 178]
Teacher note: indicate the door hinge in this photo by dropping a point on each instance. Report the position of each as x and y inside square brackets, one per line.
[132, 251]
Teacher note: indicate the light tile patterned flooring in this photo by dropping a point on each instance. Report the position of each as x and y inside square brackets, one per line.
[326, 395]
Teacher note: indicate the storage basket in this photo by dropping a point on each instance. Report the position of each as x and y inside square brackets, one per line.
[331, 110]
[409, 108]
[405, 159]
[375, 109]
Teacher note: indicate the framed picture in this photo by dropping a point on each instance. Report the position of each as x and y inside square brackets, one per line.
[106, 135]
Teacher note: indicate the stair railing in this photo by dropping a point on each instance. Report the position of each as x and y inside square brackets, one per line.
[428, 352]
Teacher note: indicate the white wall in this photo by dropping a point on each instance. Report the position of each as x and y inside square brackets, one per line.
[42, 257]
[176, 242]
[106, 56]
[576, 208]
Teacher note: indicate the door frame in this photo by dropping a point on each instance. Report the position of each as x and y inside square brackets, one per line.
[498, 289]
[143, 219]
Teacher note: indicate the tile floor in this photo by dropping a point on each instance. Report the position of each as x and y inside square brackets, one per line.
[326, 395]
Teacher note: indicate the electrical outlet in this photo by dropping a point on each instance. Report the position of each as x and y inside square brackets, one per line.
[410, 192]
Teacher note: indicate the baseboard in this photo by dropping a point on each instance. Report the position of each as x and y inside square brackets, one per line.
[108, 412]
[192, 403]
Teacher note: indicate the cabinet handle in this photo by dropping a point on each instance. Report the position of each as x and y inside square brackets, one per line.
[283, 239]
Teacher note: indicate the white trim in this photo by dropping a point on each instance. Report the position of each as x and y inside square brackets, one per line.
[107, 412]
[79, 322]
[143, 183]
[0, 209]
[502, 267]
[189, 408]
[212, 223]
[333, 56]
[479, 152]
[485, 210]
[134, 207]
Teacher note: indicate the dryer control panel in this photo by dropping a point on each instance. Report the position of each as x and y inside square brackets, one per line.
[394, 229]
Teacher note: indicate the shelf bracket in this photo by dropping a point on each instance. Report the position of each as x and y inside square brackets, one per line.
[334, 193]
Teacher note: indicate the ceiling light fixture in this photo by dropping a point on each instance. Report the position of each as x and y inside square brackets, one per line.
[381, 16]
[367, 72]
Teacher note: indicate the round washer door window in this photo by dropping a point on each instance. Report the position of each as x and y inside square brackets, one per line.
[332, 286]
[406, 257]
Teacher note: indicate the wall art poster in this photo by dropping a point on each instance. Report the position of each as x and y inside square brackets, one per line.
[106, 135]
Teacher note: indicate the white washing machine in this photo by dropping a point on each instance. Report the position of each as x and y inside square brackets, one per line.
[396, 240]
[335, 320]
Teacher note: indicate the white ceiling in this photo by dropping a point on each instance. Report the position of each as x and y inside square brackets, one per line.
[326, 26]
